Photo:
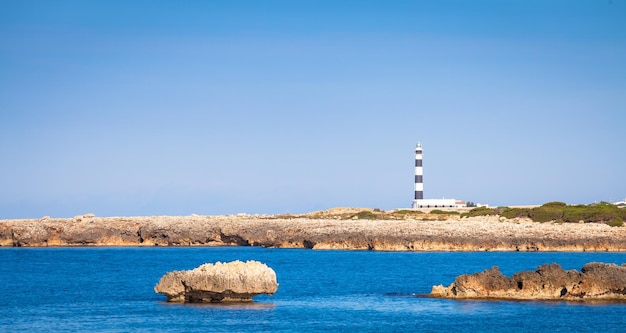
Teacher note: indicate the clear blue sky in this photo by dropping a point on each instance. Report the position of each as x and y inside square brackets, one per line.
[218, 107]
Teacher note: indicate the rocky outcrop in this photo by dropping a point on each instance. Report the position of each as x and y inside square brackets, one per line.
[220, 282]
[595, 281]
[328, 232]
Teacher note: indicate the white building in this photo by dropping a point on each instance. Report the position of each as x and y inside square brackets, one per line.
[438, 203]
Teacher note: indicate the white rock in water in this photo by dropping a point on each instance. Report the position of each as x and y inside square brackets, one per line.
[220, 282]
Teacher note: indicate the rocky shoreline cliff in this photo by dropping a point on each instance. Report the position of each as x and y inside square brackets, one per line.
[320, 231]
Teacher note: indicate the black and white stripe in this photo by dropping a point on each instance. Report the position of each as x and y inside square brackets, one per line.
[419, 172]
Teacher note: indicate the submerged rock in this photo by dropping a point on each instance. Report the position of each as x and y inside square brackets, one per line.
[220, 282]
[595, 281]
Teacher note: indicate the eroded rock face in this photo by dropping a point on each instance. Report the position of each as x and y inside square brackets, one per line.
[454, 234]
[595, 281]
[220, 282]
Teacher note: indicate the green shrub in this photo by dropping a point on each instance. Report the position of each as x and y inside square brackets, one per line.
[511, 213]
[554, 204]
[602, 212]
[408, 211]
[479, 211]
[439, 211]
[546, 213]
[577, 213]
[558, 211]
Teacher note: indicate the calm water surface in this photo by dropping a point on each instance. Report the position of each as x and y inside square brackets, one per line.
[111, 290]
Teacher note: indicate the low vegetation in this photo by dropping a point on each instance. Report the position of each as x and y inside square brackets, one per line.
[365, 215]
[559, 212]
[371, 214]
[555, 211]
[407, 211]
[480, 211]
[444, 212]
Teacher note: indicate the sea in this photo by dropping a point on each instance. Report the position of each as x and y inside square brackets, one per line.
[111, 290]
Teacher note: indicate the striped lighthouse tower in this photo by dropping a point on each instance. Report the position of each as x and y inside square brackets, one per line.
[419, 172]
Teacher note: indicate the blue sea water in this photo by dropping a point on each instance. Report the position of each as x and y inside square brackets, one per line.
[111, 290]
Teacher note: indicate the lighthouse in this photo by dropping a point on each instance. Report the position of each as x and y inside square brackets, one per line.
[419, 173]
[418, 198]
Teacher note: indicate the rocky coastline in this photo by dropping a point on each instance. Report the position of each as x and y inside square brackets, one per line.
[595, 281]
[330, 230]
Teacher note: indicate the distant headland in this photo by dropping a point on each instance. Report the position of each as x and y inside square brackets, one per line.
[550, 227]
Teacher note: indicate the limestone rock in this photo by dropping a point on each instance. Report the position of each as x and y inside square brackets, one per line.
[220, 282]
[321, 230]
[548, 282]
